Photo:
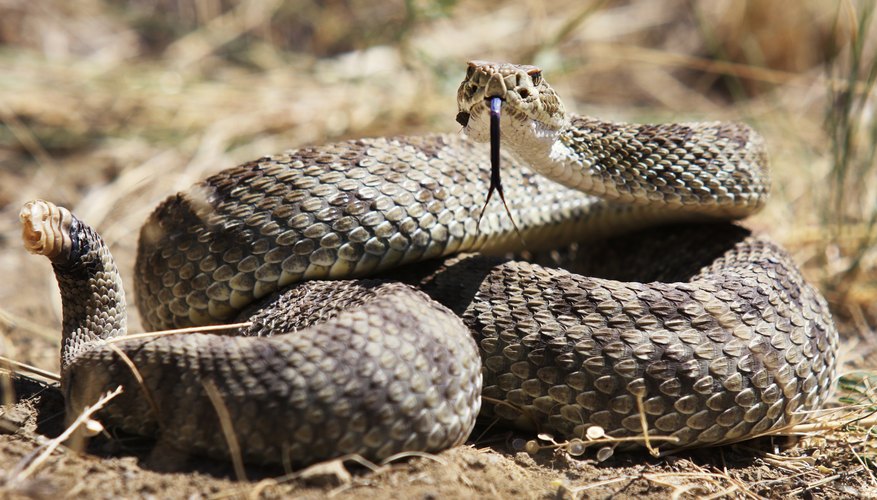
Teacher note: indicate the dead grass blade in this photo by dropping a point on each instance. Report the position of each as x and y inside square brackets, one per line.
[6, 383]
[822, 482]
[234, 447]
[576, 490]
[18, 366]
[27, 467]
[645, 427]
[678, 483]
[193, 329]
[408, 454]
[318, 468]
[140, 381]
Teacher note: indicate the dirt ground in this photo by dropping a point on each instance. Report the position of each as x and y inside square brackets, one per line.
[489, 466]
[109, 109]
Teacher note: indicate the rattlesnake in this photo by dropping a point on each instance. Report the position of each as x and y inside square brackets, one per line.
[701, 334]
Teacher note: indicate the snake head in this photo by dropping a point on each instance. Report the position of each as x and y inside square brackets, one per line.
[530, 105]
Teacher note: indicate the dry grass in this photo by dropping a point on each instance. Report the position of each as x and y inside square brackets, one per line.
[26, 468]
[851, 205]
[108, 109]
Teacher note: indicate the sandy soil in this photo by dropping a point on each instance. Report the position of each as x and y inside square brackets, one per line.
[491, 465]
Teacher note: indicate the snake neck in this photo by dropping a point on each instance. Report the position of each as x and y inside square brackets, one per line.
[695, 168]
[552, 154]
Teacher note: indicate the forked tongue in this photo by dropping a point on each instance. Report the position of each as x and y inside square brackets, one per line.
[495, 179]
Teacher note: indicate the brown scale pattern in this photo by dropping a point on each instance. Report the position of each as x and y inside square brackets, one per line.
[343, 210]
[385, 376]
[733, 349]
[689, 165]
[373, 369]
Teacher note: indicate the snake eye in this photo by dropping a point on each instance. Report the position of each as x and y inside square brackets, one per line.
[536, 76]
[463, 118]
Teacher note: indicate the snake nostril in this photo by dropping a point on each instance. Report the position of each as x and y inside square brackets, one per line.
[463, 118]
[524, 92]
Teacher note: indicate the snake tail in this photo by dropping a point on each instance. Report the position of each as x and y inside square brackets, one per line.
[412, 384]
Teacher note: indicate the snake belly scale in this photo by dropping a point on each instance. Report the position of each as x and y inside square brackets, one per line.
[704, 333]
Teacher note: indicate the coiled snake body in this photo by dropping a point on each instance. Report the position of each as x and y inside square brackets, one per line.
[701, 334]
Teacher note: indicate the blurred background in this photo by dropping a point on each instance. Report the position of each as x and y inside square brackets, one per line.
[108, 107]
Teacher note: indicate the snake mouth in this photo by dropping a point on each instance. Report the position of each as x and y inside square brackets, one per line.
[463, 117]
